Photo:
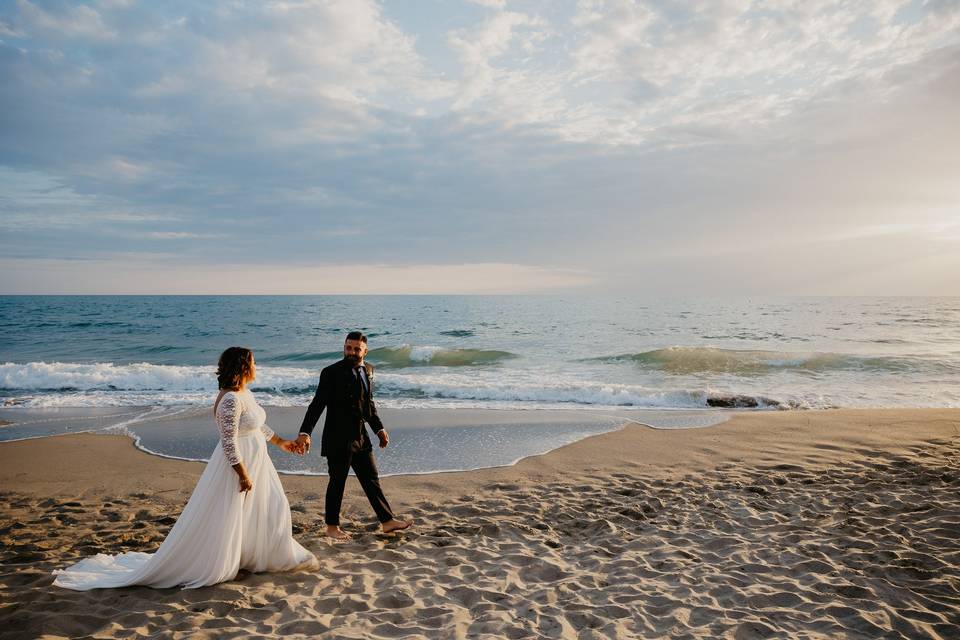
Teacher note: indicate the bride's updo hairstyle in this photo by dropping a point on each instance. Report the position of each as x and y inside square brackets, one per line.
[234, 368]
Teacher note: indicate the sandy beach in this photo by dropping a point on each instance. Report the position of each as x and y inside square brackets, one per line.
[801, 524]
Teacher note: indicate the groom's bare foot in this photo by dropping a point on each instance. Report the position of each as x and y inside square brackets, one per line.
[394, 525]
[337, 533]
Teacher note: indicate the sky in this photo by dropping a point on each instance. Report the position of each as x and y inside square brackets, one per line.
[780, 147]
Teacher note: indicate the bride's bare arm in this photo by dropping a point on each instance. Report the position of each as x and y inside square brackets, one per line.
[273, 438]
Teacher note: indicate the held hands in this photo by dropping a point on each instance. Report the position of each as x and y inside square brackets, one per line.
[292, 446]
[301, 444]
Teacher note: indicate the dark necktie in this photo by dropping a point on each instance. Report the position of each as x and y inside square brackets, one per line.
[358, 388]
[358, 383]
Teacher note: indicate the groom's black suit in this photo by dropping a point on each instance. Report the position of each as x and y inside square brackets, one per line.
[349, 405]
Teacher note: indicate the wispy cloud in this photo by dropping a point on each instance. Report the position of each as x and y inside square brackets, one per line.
[79, 21]
[178, 235]
[489, 79]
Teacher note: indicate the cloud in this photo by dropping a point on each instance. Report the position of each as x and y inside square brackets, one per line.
[31, 200]
[647, 144]
[738, 64]
[491, 4]
[177, 235]
[341, 54]
[79, 21]
[505, 90]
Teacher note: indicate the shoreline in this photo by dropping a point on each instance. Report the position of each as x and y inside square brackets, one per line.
[162, 431]
[692, 448]
[796, 524]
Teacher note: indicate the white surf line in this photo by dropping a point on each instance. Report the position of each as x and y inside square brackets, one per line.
[70, 418]
[157, 413]
[50, 435]
[124, 430]
[724, 417]
[621, 422]
[138, 417]
[101, 430]
[139, 445]
[618, 422]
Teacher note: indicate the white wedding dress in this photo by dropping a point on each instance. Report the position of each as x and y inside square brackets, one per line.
[221, 530]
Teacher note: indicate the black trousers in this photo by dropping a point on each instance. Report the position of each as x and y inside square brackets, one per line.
[365, 466]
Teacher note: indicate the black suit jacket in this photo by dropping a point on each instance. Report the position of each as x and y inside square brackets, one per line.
[347, 411]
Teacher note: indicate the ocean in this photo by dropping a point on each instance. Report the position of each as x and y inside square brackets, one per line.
[484, 352]
[594, 355]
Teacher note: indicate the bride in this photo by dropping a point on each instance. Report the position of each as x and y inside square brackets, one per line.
[237, 518]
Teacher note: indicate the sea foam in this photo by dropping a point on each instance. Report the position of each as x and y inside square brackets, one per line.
[141, 384]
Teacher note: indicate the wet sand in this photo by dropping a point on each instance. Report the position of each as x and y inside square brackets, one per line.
[786, 524]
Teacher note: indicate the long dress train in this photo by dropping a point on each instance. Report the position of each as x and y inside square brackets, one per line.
[221, 530]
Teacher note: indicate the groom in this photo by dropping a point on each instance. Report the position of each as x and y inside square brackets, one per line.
[346, 392]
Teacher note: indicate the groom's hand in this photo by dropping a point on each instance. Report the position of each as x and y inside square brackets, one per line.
[302, 443]
[384, 438]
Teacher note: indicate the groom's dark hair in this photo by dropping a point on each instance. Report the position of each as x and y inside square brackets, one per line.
[357, 335]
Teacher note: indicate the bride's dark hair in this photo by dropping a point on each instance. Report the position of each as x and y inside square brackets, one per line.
[234, 367]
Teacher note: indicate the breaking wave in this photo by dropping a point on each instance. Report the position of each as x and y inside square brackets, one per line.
[144, 378]
[108, 384]
[577, 392]
[694, 360]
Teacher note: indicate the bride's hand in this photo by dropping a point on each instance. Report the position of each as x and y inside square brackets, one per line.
[245, 484]
[289, 446]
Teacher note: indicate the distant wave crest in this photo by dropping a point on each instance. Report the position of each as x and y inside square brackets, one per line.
[693, 360]
[421, 356]
[458, 333]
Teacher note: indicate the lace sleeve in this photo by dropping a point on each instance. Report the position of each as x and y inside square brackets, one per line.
[228, 420]
[268, 433]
